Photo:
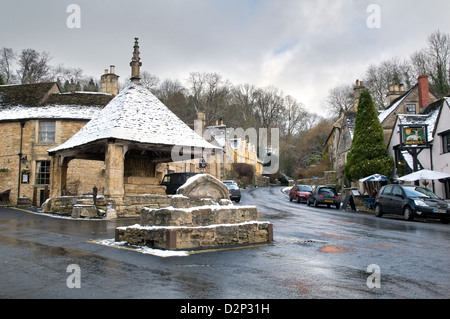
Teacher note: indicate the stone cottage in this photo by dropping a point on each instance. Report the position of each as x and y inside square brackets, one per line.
[34, 118]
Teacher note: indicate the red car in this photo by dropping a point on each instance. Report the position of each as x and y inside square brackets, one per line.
[300, 193]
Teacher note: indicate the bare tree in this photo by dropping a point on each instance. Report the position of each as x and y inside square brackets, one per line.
[210, 94]
[269, 105]
[389, 72]
[7, 57]
[340, 99]
[33, 66]
[296, 119]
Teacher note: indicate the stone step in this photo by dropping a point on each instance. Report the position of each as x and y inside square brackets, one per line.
[142, 180]
[133, 189]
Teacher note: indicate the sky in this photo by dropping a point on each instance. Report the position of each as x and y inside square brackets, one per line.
[302, 47]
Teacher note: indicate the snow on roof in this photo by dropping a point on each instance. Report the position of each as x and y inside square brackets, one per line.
[136, 115]
[383, 115]
[75, 112]
[427, 119]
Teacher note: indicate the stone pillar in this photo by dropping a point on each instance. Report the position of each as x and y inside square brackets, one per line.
[58, 176]
[114, 171]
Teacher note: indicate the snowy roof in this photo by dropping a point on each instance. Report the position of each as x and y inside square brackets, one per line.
[136, 115]
[59, 112]
[383, 115]
[427, 119]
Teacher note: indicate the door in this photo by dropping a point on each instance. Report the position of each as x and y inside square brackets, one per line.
[384, 199]
[397, 200]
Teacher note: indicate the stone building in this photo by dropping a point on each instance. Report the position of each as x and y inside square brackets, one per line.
[33, 119]
[131, 135]
[400, 101]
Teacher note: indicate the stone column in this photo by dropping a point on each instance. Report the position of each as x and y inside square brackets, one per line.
[114, 172]
[58, 176]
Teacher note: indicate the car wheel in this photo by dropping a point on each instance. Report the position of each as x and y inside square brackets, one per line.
[307, 202]
[408, 213]
[445, 221]
[290, 198]
[316, 204]
[378, 211]
[338, 206]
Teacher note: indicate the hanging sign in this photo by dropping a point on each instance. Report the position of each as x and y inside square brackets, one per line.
[414, 135]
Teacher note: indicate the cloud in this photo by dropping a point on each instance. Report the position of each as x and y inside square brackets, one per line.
[304, 48]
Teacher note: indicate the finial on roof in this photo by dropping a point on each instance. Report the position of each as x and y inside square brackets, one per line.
[135, 63]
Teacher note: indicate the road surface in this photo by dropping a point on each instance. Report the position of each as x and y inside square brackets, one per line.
[317, 253]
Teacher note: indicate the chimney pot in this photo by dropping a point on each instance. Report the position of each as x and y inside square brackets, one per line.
[106, 71]
[112, 69]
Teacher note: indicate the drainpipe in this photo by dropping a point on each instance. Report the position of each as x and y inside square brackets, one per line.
[22, 124]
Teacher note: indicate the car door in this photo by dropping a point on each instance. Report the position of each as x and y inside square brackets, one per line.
[397, 200]
[384, 198]
[293, 193]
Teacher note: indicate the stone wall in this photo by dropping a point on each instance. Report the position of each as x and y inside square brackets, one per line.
[82, 175]
[196, 237]
[197, 221]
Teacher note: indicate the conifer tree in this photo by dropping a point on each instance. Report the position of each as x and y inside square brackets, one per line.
[368, 154]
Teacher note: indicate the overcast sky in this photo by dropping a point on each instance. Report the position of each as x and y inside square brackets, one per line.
[303, 47]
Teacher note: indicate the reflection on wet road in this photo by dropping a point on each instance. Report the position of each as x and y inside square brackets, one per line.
[317, 253]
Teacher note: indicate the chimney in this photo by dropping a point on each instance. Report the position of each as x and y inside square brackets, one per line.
[395, 91]
[424, 91]
[135, 63]
[199, 123]
[109, 82]
[359, 87]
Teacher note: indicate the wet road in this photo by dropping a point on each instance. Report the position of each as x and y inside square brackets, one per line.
[317, 253]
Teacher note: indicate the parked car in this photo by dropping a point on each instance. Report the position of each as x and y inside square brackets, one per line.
[230, 182]
[235, 192]
[324, 195]
[300, 193]
[411, 201]
[174, 181]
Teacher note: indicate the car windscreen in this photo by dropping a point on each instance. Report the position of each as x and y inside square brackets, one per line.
[427, 192]
[304, 189]
[414, 192]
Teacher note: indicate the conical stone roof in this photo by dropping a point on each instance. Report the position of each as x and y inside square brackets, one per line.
[136, 115]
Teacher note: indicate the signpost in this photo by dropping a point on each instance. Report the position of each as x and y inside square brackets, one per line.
[414, 139]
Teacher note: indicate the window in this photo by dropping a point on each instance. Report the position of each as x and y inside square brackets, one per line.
[397, 191]
[42, 173]
[446, 143]
[46, 132]
[411, 108]
[387, 190]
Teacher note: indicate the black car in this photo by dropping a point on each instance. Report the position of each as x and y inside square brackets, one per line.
[324, 195]
[411, 201]
[174, 181]
[235, 192]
